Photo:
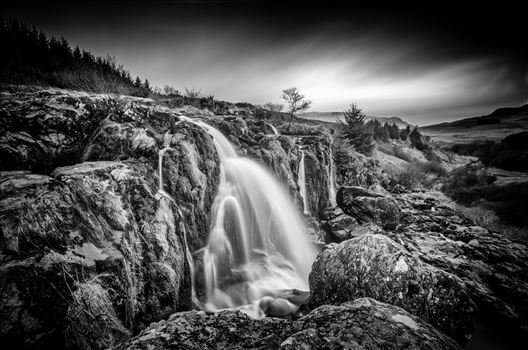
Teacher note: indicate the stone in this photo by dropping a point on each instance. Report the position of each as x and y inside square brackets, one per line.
[365, 324]
[362, 324]
[493, 267]
[377, 267]
[369, 206]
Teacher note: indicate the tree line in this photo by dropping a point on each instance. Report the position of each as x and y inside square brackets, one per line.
[31, 57]
[360, 133]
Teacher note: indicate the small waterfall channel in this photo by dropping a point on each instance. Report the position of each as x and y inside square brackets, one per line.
[301, 182]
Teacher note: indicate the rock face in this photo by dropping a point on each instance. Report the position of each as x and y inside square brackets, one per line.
[361, 324]
[94, 251]
[369, 205]
[494, 268]
[377, 267]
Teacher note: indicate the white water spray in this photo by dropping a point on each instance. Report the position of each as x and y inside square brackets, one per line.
[301, 181]
[257, 246]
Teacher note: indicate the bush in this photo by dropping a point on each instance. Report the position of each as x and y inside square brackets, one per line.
[480, 216]
[412, 176]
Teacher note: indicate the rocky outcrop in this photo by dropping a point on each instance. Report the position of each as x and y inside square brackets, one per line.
[494, 268]
[377, 267]
[96, 250]
[363, 324]
[369, 205]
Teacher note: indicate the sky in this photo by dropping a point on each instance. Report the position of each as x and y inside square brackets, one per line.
[424, 63]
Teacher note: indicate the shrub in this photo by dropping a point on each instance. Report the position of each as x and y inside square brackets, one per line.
[480, 216]
[412, 176]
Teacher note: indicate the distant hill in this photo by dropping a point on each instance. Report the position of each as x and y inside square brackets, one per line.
[504, 116]
[402, 124]
[494, 126]
[332, 117]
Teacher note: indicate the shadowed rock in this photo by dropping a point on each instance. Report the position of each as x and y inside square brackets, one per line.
[369, 205]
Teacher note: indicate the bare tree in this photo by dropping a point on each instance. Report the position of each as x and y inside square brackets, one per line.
[270, 106]
[295, 101]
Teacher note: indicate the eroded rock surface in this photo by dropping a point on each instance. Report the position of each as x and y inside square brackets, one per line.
[361, 324]
[377, 267]
[494, 268]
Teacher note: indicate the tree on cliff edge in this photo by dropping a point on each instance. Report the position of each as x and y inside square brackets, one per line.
[355, 131]
[295, 101]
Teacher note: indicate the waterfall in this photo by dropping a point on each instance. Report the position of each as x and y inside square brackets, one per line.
[257, 246]
[274, 129]
[301, 181]
[331, 178]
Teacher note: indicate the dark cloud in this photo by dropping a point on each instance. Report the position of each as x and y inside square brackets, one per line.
[425, 64]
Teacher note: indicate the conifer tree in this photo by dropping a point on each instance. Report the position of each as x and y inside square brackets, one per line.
[355, 130]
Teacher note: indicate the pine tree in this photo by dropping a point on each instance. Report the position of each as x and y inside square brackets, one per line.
[355, 130]
[146, 85]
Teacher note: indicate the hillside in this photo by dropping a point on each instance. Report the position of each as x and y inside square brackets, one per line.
[494, 126]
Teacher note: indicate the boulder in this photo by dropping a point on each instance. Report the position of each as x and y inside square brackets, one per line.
[377, 267]
[365, 324]
[367, 205]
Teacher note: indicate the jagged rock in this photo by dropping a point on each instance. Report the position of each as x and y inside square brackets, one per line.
[44, 129]
[101, 228]
[337, 224]
[361, 324]
[369, 205]
[340, 226]
[365, 324]
[377, 267]
[494, 268]
[98, 228]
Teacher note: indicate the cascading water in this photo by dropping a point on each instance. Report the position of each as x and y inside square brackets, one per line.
[274, 129]
[257, 246]
[331, 179]
[301, 181]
